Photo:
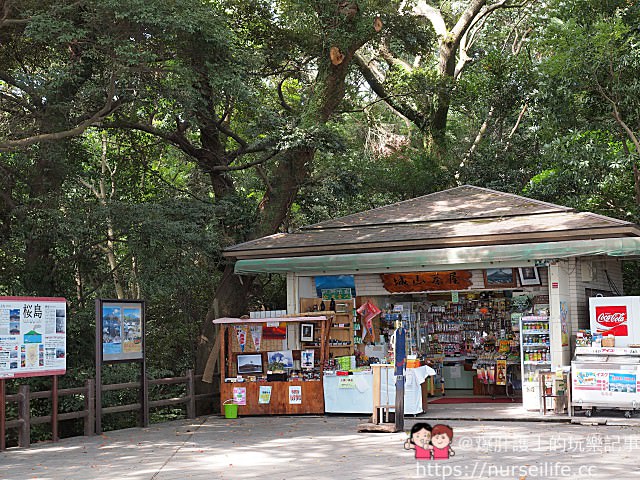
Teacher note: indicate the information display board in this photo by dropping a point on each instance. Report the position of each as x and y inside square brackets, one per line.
[121, 330]
[33, 339]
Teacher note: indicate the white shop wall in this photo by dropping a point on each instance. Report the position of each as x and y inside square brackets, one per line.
[591, 272]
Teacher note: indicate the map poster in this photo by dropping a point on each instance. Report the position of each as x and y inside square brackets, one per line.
[120, 329]
[33, 338]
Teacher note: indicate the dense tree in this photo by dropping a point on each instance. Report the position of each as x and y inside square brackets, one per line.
[139, 138]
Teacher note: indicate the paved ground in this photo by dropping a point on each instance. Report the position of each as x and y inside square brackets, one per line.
[328, 447]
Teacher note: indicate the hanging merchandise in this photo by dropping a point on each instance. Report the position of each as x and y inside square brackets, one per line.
[256, 335]
[242, 336]
[501, 372]
[368, 311]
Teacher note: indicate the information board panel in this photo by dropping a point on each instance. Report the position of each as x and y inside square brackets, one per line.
[33, 340]
[122, 330]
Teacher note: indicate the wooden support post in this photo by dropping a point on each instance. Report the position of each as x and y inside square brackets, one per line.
[223, 363]
[3, 412]
[54, 408]
[90, 407]
[191, 394]
[24, 433]
[98, 386]
[144, 397]
[376, 393]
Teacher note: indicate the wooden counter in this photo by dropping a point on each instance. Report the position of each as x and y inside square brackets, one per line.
[312, 398]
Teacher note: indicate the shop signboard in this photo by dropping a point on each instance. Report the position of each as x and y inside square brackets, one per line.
[121, 329]
[426, 281]
[33, 338]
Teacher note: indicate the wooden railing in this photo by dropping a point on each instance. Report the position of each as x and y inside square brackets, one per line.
[88, 414]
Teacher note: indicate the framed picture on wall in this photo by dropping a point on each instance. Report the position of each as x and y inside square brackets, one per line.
[306, 332]
[500, 278]
[529, 276]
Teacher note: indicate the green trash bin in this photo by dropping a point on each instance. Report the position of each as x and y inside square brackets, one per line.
[230, 409]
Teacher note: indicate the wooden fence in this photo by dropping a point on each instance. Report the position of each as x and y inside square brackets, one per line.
[88, 414]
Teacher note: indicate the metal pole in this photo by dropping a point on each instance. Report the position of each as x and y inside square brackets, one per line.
[54, 409]
[399, 403]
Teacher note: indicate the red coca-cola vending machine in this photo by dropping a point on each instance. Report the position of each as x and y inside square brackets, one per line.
[617, 316]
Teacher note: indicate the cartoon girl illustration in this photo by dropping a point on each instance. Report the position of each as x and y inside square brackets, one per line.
[441, 438]
[419, 441]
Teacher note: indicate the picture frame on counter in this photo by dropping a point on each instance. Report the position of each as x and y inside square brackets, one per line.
[249, 363]
[529, 276]
[306, 332]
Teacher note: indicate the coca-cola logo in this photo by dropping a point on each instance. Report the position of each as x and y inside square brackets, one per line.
[611, 316]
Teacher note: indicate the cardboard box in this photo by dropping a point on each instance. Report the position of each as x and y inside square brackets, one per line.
[609, 341]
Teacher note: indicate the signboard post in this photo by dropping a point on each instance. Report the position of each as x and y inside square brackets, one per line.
[120, 338]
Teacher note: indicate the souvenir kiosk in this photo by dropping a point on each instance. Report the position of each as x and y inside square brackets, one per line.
[273, 365]
[452, 266]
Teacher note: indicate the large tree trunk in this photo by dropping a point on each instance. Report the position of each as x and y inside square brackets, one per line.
[48, 175]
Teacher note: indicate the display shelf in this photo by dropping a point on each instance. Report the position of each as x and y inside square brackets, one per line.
[538, 345]
[340, 333]
[535, 332]
[536, 362]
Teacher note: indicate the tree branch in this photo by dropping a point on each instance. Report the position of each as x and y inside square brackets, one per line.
[227, 168]
[7, 78]
[423, 9]
[283, 102]
[175, 138]
[467, 18]
[17, 101]
[419, 120]
[230, 133]
[385, 52]
[520, 116]
[108, 108]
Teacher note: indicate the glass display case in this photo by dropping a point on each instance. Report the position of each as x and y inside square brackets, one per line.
[535, 345]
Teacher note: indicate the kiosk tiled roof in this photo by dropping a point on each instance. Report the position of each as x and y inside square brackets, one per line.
[461, 216]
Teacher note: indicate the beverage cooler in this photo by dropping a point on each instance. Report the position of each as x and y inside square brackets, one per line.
[606, 377]
[535, 344]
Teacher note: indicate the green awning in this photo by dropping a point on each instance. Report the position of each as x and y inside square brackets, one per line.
[441, 258]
